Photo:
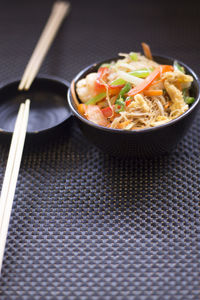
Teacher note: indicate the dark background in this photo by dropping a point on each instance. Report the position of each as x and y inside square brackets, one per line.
[85, 225]
[99, 29]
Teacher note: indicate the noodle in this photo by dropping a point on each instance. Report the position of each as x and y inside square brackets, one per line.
[118, 101]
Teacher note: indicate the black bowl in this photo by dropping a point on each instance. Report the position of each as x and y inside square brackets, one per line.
[49, 110]
[145, 142]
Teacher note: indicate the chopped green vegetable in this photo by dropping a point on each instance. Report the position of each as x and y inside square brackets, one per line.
[96, 99]
[133, 56]
[142, 73]
[130, 78]
[177, 67]
[118, 81]
[119, 105]
[125, 90]
[189, 100]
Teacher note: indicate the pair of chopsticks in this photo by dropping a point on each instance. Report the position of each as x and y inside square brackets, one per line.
[59, 11]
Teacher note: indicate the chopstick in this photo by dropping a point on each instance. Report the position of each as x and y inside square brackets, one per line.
[59, 11]
[11, 174]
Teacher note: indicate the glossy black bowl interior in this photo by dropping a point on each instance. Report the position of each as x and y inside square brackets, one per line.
[145, 142]
[49, 107]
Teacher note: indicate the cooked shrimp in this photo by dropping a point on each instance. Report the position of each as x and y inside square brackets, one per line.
[94, 114]
[85, 87]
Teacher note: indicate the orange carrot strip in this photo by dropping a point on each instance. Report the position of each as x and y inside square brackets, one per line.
[148, 81]
[153, 93]
[147, 51]
[81, 109]
[167, 105]
[157, 81]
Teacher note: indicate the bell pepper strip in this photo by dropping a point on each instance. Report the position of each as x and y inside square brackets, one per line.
[101, 85]
[96, 99]
[153, 93]
[94, 114]
[148, 81]
[107, 111]
[147, 51]
[101, 78]
[114, 90]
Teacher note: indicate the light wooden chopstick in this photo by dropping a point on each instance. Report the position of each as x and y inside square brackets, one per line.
[11, 174]
[59, 11]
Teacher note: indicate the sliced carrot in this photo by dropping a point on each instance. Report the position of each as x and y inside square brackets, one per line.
[148, 81]
[81, 109]
[157, 81]
[166, 68]
[153, 93]
[147, 51]
[167, 105]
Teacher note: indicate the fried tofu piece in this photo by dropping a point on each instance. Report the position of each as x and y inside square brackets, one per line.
[178, 104]
[139, 102]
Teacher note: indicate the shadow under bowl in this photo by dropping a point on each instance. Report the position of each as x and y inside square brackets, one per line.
[147, 142]
[49, 110]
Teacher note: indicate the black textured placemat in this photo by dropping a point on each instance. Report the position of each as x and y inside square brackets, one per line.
[85, 225]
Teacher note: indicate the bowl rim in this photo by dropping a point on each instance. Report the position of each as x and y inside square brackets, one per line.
[136, 131]
[48, 77]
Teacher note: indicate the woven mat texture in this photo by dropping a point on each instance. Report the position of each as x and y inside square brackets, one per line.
[85, 225]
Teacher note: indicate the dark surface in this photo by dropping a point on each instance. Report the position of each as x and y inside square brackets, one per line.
[143, 143]
[84, 225]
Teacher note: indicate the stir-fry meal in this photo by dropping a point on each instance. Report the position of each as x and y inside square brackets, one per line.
[134, 92]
